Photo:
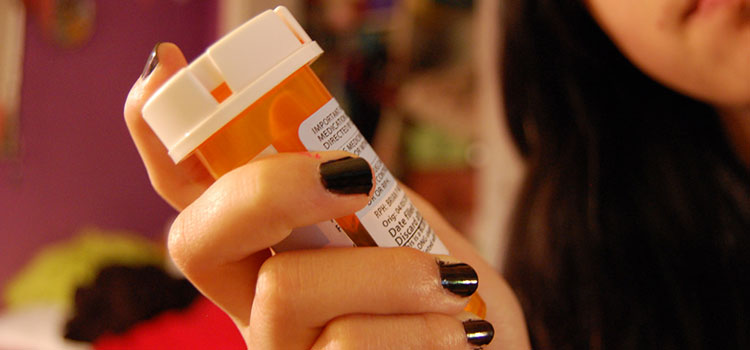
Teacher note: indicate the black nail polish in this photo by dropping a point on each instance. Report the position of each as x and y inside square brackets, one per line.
[479, 332]
[347, 176]
[458, 278]
[151, 62]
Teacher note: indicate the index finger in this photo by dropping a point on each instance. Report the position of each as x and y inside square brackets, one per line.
[179, 184]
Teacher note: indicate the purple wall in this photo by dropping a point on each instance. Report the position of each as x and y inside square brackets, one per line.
[78, 166]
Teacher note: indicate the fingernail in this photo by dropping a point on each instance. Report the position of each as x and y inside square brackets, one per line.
[458, 278]
[151, 62]
[479, 332]
[347, 176]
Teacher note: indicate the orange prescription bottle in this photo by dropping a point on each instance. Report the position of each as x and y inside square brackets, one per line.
[253, 93]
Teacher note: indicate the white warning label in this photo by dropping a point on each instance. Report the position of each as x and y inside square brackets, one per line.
[390, 217]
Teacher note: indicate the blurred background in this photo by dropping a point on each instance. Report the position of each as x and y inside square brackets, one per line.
[80, 226]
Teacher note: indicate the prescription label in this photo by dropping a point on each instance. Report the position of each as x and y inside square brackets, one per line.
[390, 217]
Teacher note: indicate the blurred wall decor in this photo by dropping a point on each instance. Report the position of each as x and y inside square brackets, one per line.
[12, 28]
[66, 23]
[232, 13]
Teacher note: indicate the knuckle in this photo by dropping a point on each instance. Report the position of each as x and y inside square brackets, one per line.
[182, 245]
[410, 255]
[160, 188]
[344, 333]
[256, 186]
[423, 265]
[130, 107]
[176, 244]
[278, 280]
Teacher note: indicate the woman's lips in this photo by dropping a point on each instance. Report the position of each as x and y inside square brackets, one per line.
[705, 6]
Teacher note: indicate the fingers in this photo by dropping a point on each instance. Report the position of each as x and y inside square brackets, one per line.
[299, 292]
[403, 332]
[503, 309]
[220, 240]
[179, 184]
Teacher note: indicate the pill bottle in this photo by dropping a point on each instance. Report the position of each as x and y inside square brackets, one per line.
[253, 93]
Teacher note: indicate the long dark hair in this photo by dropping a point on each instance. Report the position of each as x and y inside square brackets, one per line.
[632, 229]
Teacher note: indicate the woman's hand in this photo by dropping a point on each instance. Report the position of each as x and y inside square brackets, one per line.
[346, 298]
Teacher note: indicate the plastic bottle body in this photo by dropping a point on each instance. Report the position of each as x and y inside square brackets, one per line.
[274, 120]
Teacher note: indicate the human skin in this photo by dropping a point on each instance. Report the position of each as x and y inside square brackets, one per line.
[700, 48]
[344, 298]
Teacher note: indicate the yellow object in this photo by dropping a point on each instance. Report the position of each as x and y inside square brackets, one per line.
[56, 271]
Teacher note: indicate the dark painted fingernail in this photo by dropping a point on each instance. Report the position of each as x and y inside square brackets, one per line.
[458, 278]
[347, 176]
[151, 62]
[479, 332]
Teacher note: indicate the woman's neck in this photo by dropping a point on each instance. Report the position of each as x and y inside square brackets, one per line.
[737, 125]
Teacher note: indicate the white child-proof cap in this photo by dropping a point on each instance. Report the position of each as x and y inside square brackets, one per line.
[251, 60]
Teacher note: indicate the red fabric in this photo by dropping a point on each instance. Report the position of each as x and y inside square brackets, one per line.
[201, 326]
